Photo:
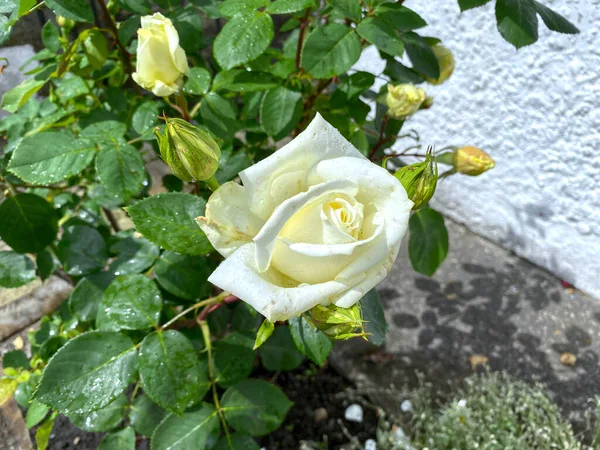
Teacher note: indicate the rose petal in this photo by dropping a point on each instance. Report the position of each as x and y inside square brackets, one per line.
[283, 174]
[228, 222]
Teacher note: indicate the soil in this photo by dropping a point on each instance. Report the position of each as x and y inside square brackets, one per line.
[309, 387]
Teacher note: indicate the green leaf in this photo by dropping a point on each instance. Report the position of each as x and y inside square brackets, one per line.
[145, 415]
[399, 73]
[469, 4]
[28, 223]
[330, 50]
[219, 115]
[399, 17]
[255, 407]
[264, 332]
[184, 276]
[71, 86]
[280, 111]
[104, 419]
[50, 157]
[289, 6]
[239, 80]
[121, 170]
[88, 294]
[16, 97]
[349, 8]
[170, 371]
[555, 21]
[128, 29]
[238, 441]
[137, 6]
[230, 8]
[422, 57]
[380, 34]
[280, 352]
[15, 270]
[517, 21]
[188, 23]
[88, 373]
[311, 342]
[195, 430]
[72, 9]
[82, 250]
[168, 220]
[233, 358]
[119, 440]
[15, 359]
[372, 314]
[50, 37]
[131, 302]
[145, 117]
[42, 434]
[134, 255]
[46, 264]
[243, 39]
[198, 82]
[231, 164]
[428, 241]
[35, 414]
[95, 48]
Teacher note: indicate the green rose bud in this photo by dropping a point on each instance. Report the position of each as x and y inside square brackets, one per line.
[420, 180]
[339, 323]
[446, 62]
[189, 151]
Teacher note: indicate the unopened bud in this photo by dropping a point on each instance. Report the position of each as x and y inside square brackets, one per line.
[472, 161]
[65, 23]
[404, 99]
[339, 323]
[189, 151]
[420, 180]
[446, 62]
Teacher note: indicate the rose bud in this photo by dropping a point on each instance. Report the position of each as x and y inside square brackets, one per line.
[446, 62]
[161, 62]
[419, 180]
[472, 161]
[339, 323]
[189, 151]
[404, 99]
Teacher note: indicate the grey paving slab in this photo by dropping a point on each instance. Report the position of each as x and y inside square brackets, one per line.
[482, 301]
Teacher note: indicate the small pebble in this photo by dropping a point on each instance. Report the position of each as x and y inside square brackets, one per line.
[320, 415]
[370, 444]
[18, 343]
[354, 413]
[406, 406]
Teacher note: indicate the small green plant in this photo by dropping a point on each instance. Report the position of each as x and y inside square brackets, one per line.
[491, 411]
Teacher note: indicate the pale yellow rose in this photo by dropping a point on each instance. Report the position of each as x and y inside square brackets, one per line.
[161, 62]
[316, 223]
[404, 99]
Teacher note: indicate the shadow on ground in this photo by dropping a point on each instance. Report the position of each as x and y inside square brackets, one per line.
[483, 302]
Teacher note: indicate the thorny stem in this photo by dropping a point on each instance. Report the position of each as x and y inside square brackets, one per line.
[195, 306]
[112, 219]
[381, 140]
[210, 308]
[208, 344]
[402, 153]
[123, 53]
[303, 25]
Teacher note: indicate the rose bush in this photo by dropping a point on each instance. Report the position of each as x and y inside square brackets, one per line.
[156, 139]
[315, 223]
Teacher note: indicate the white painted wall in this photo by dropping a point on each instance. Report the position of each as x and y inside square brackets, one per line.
[537, 112]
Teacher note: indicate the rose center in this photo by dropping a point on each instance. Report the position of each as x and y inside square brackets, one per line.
[345, 213]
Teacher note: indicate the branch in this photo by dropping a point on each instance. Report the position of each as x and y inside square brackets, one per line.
[381, 140]
[123, 53]
[303, 25]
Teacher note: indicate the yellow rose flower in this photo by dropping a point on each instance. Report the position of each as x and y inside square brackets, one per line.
[161, 62]
[404, 99]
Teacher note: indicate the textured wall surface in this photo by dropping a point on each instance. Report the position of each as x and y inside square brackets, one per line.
[537, 112]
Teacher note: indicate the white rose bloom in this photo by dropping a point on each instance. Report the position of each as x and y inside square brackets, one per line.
[161, 62]
[315, 223]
